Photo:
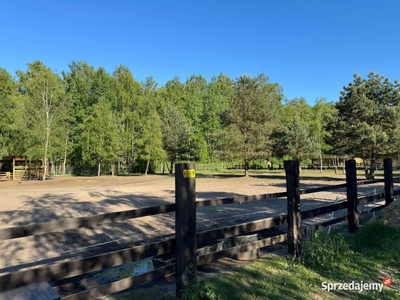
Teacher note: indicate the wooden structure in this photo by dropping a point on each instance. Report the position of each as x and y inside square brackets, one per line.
[20, 168]
[188, 239]
[36, 291]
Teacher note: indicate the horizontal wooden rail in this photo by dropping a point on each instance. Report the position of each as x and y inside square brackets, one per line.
[122, 284]
[206, 237]
[366, 182]
[323, 189]
[127, 283]
[306, 214]
[324, 224]
[210, 257]
[396, 179]
[367, 199]
[85, 265]
[239, 199]
[371, 210]
[52, 226]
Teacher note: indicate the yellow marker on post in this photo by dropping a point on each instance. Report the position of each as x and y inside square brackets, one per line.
[189, 173]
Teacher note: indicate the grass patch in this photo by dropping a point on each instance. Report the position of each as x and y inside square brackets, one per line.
[369, 255]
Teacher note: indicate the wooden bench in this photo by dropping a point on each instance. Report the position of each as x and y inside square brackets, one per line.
[36, 291]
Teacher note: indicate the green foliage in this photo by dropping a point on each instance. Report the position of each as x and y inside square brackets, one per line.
[367, 123]
[99, 135]
[196, 290]
[193, 120]
[41, 112]
[250, 119]
[299, 142]
[324, 250]
[8, 102]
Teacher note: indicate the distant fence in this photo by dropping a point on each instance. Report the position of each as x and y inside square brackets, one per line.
[187, 241]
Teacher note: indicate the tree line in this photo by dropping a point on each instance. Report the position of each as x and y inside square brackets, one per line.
[95, 121]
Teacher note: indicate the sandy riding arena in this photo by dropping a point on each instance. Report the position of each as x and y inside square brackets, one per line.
[28, 202]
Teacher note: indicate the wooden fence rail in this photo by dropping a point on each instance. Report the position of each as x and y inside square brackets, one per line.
[188, 240]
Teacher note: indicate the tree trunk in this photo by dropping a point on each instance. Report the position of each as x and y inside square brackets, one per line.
[299, 160]
[45, 154]
[99, 169]
[371, 174]
[112, 169]
[147, 166]
[246, 169]
[320, 158]
[365, 169]
[336, 164]
[65, 156]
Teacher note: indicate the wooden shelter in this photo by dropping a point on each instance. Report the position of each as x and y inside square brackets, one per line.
[20, 168]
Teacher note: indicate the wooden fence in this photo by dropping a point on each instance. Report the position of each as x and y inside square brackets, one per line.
[187, 240]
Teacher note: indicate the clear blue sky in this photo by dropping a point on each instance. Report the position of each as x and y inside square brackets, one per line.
[312, 48]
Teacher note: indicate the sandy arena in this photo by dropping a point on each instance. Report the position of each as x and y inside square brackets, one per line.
[68, 197]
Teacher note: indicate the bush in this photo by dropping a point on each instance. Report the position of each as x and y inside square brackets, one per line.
[197, 290]
[324, 250]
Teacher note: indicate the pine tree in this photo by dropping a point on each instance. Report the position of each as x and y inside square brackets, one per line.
[367, 124]
[250, 119]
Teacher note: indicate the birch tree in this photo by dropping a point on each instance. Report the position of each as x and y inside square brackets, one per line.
[43, 103]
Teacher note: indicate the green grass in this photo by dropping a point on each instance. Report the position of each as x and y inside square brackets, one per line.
[369, 255]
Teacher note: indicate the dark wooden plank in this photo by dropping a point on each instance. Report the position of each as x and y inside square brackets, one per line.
[324, 224]
[396, 179]
[185, 224]
[121, 285]
[86, 265]
[293, 207]
[36, 291]
[322, 189]
[207, 237]
[238, 199]
[41, 228]
[370, 198]
[210, 257]
[352, 208]
[366, 182]
[388, 172]
[371, 210]
[48, 290]
[323, 210]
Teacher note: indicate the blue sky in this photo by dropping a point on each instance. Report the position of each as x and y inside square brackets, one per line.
[311, 48]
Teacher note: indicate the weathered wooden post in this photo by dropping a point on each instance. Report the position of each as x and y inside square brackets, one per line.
[185, 225]
[388, 171]
[293, 207]
[352, 200]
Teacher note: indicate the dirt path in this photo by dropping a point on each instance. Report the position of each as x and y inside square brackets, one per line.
[32, 202]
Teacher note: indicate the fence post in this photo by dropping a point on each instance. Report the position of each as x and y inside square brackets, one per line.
[185, 225]
[293, 207]
[352, 200]
[388, 171]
